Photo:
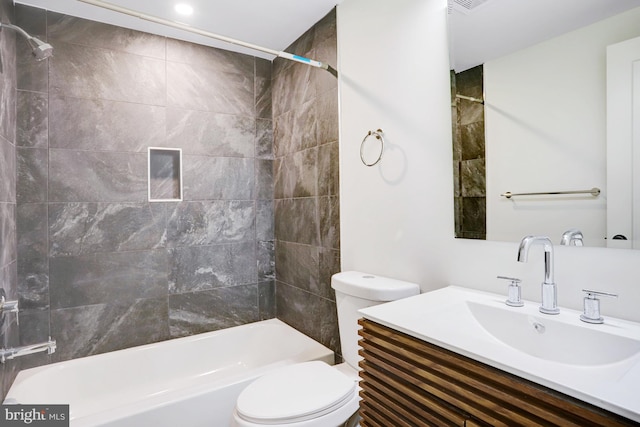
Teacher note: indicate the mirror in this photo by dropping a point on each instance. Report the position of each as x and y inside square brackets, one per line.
[539, 66]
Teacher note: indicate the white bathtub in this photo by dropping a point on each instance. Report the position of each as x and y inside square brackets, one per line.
[184, 382]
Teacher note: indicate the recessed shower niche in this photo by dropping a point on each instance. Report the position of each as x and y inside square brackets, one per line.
[165, 174]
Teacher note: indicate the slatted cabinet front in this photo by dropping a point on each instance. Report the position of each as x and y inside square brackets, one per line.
[409, 382]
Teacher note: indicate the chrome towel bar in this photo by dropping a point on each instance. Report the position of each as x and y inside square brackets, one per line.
[595, 192]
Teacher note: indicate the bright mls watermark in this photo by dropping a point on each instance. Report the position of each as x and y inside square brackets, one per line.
[34, 415]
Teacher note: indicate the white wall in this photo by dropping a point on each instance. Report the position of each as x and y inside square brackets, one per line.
[533, 145]
[397, 217]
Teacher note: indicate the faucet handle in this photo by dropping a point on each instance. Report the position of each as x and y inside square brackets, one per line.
[8, 306]
[514, 298]
[591, 311]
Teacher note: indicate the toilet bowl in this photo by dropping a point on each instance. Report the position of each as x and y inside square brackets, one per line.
[314, 394]
[310, 394]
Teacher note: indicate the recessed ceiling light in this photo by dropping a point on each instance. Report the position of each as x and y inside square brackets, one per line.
[183, 9]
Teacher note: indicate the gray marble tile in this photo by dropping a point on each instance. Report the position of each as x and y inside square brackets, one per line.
[107, 278]
[264, 220]
[328, 170]
[33, 167]
[211, 310]
[32, 19]
[329, 265]
[329, 207]
[474, 217]
[470, 112]
[32, 129]
[32, 75]
[300, 46]
[266, 260]
[89, 72]
[296, 220]
[472, 177]
[94, 329]
[210, 134]
[298, 265]
[34, 326]
[201, 268]
[218, 178]
[8, 81]
[7, 171]
[469, 82]
[296, 174]
[84, 228]
[472, 141]
[264, 179]
[97, 176]
[457, 188]
[292, 87]
[102, 125]
[69, 29]
[264, 139]
[201, 56]
[312, 315]
[267, 300]
[305, 126]
[209, 89]
[457, 211]
[263, 89]
[210, 223]
[327, 111]
[283, 134]
[8, 247]
[33, 268]
[325, 43]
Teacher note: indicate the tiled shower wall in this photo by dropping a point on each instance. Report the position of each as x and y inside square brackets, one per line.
[8, 252]
[469, 155]
[99, 267]
[305, 111]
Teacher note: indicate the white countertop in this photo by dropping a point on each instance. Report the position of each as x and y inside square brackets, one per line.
[443, 318]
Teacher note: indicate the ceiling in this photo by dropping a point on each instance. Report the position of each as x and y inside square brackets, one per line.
[497, 27]
[274, 24]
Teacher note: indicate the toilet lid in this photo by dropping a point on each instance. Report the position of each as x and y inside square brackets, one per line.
[295, 393]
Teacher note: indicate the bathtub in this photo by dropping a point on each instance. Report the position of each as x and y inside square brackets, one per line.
[185, 382]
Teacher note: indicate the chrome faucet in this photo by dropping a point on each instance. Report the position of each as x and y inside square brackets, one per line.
[572, 237]
[549, 303]
[12, 353]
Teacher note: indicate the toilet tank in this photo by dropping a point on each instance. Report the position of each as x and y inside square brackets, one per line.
[356, 290]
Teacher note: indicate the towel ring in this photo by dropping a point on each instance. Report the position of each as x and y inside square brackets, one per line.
[378, 135]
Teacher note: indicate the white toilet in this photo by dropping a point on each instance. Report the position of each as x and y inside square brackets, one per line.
[314, 394]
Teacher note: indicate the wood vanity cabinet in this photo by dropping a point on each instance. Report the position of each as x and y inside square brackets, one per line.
[409, 382]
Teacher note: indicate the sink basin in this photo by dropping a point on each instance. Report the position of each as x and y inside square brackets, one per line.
[546, 338]
[599, 364]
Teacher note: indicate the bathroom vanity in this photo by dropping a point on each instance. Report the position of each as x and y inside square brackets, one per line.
[438, 360]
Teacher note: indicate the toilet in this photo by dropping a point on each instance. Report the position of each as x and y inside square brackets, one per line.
[314, 394]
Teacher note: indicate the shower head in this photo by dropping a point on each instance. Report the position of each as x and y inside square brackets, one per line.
[40, 49]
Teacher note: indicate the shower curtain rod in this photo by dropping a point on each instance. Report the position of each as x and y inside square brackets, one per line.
[161, 21]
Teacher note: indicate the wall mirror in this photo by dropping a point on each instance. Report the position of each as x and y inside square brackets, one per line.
[529, 110]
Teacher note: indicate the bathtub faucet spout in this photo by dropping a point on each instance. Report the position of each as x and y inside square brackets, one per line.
[12, 353]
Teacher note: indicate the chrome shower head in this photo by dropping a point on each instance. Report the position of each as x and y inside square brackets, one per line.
[40, 49]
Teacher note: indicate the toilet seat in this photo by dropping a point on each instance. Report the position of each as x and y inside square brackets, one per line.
[295, 393]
